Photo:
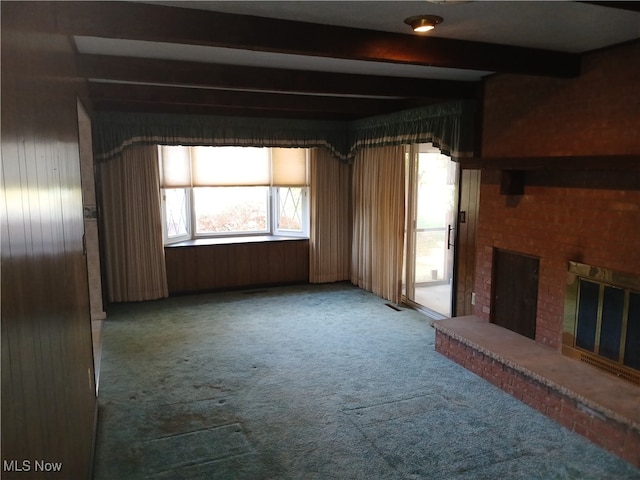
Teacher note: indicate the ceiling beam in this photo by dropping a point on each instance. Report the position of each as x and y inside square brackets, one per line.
[238, 111]
[226, 98]
[172, 72]
[129, 93]
[128, 20]
[630, 6]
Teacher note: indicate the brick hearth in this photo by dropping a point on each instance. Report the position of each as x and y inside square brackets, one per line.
[592, 403]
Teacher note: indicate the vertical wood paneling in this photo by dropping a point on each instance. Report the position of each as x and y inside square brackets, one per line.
[48, 392]
[466, 240]
[90, 216]
[215, 267]
[244, 264]
[262, 267]
[276, 260]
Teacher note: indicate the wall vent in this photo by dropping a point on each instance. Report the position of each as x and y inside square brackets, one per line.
[611, 368]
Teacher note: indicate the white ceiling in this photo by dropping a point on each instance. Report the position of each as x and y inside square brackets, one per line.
[565, 26]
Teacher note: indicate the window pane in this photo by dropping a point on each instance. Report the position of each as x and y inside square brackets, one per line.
[587, 315]
[290, 208]
[175, 167]
[289, 167]
[632, 345]
[231, 209]
[176, 211]
[611, 329]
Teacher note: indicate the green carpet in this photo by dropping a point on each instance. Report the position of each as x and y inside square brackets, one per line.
[311, 382]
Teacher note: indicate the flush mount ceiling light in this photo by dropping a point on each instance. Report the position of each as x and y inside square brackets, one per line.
[423, 23]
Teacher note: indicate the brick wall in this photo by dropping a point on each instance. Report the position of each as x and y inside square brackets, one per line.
[619, 439]
[590, 217]
[594, 114]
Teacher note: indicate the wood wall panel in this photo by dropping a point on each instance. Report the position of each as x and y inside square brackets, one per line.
[466, 240]
[48, 391]
[218, 267]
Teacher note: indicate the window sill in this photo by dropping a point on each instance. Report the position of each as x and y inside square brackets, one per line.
[232, 240]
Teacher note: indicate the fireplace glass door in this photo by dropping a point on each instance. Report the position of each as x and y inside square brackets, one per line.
[604, 316]
[602, 319]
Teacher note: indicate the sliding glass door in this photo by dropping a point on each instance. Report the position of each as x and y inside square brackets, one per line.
[432, 181]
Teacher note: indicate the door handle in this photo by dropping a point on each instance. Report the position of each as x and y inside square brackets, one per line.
[449, 244]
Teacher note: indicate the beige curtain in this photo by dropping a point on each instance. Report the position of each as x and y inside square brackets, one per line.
[134, 253]
[330, 222]
[378, 220]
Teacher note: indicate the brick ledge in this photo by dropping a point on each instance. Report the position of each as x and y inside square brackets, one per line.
[611, 397]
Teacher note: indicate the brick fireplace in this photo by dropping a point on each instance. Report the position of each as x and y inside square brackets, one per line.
[571, 148]
[558, 224]
[587, 216]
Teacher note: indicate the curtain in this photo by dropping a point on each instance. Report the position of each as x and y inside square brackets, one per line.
[378, 220]
[134, 253]
[330, 222]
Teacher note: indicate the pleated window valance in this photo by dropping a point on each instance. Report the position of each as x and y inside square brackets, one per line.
[200, 166]
[448, 126]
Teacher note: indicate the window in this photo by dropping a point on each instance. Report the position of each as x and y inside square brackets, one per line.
[231, 210]
[175, 215]
[233, 191]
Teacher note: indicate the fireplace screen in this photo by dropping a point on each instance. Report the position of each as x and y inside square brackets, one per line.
[602, 319]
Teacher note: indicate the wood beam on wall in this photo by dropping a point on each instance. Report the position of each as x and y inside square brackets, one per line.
[555, 163]
[630, 6]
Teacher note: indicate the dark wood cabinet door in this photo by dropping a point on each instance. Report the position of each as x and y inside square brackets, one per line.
[515, 292]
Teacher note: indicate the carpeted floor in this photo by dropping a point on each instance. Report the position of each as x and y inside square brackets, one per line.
[311, 382]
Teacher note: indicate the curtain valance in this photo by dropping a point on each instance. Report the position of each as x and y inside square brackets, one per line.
[112, 132]
[448, 126]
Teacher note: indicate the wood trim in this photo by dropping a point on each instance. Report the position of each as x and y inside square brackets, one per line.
[557, 163]
[629, 6]
[466, 239]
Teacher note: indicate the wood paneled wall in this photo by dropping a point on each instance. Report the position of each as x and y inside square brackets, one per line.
[466, 241]
[216, 267]
[48, 393]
